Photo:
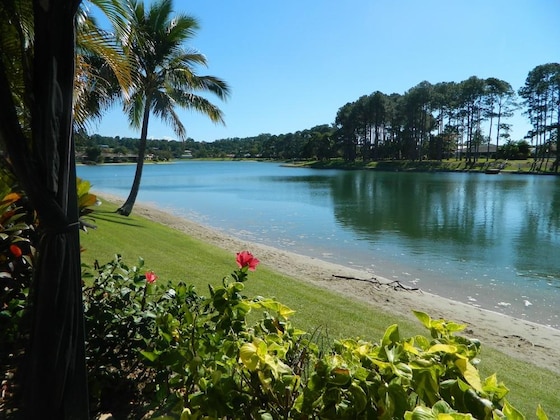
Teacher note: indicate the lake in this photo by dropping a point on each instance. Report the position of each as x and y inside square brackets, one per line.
[486, 240]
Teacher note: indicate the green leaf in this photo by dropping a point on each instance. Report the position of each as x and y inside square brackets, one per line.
[248, 356]
[541, 415]
[359, 397]
[470, 373]
[151, 356]
[427, 385]
[276, 306]
[339, 376]
[391, 335]
[186, 414]
[441, 407]
[424, 319]
[420, 413]
[445, 348]
[491, 386]
[512, 413]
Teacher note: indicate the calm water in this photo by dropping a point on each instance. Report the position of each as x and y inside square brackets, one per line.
[486, 240]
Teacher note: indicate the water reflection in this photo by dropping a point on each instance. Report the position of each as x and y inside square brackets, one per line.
[508, 219]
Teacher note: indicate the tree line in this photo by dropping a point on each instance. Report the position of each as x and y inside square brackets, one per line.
[466, 120]
[434, 121]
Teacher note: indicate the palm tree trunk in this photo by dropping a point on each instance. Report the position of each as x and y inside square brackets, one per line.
[128, 205]
[55, 383]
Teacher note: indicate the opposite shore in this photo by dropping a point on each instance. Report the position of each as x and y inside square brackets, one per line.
[526, 167]
[524, 340]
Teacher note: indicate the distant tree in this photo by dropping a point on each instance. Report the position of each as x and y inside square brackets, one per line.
[514, 150]
[378, 118]
[154, 39]
[120, 150]
[347, 126]
[417, 120]
[93, 154]
[471, 109]
[499, 103]
[541, 97]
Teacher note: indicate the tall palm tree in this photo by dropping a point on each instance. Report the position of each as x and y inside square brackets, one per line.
[38, 101]
[36, 94]
[167, 75]
[104, 73]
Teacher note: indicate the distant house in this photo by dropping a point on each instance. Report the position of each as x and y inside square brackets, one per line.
[483, 150]
[187, 154]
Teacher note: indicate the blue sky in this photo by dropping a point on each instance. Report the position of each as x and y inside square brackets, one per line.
[292, 64]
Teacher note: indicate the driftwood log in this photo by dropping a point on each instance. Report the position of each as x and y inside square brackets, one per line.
[395, 284]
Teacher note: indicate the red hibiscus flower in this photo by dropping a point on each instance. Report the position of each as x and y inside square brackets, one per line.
[151, 277]
[246, 259]
[15, 250]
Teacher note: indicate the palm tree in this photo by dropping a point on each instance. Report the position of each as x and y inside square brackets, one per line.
[38, 101]
[167, 76]
[37, 62]
[103, 71]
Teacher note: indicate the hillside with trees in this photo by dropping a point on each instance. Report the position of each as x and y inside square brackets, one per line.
[467, 120]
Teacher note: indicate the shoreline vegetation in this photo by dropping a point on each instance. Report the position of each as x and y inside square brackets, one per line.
[527, 166]
[492, 166]
[340, 301]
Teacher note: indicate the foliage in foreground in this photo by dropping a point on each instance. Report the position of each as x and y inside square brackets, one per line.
[20, 231]
[164, 351]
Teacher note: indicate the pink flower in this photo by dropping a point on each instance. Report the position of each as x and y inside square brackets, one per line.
[246, 259]
[151, 277]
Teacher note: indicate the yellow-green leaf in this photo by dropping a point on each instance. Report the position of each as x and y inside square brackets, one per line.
[470, 373]
[248, 356]
[445, 348]
[391, 335]
[424, 318]
[541, 415]
[512, 413]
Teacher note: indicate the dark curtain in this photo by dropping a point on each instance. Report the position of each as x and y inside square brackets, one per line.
[55, 383]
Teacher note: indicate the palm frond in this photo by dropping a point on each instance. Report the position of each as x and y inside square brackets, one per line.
[94, 41]
[189, 100]
[163, 106]
[134, 108]
[117, 12]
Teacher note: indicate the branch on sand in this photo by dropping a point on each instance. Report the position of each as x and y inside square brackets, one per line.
[395, 284]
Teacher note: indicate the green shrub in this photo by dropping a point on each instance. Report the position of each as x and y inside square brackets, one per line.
[161, 348]
[19, 236]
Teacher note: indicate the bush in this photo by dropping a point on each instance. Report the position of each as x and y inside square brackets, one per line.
[19, 236]
[162, 349]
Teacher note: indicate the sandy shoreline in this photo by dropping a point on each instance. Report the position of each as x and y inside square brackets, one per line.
[524, 340]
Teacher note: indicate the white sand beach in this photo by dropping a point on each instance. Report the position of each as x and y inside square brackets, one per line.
[524, 340]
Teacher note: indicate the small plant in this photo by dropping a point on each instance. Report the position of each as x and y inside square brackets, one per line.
[177, 354]
[18, 236]
[120, 310]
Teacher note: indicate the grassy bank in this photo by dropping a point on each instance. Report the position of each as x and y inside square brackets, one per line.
[173, 255]
[527, 166]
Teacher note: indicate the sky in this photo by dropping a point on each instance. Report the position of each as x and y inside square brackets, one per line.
[292, 64]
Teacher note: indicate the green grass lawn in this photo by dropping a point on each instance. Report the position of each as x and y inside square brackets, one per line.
[176, 256]
[452, 164]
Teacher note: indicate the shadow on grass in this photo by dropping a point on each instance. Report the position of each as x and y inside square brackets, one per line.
[113, 217]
